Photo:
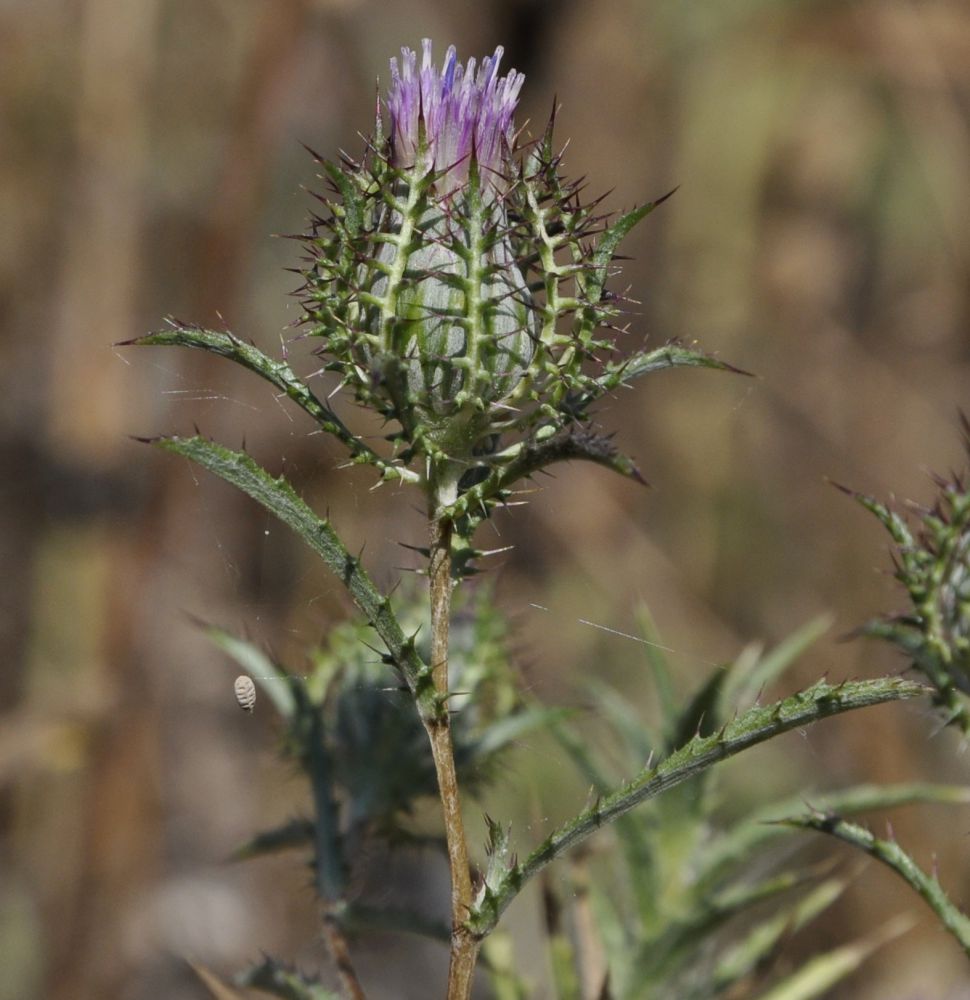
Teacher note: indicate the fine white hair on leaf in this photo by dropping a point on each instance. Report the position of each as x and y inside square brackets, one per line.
[245, 691]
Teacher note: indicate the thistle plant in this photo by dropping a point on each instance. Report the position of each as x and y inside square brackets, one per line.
[933, 565]
[456, 285]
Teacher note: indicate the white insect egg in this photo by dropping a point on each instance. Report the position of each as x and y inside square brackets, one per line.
[245, 691]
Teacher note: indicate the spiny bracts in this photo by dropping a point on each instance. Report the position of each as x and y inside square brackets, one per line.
[933, 564]
[457, 280]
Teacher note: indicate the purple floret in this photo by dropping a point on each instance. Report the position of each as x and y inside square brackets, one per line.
[465, 114]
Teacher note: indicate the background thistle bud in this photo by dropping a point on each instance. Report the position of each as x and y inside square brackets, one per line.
[933, 564]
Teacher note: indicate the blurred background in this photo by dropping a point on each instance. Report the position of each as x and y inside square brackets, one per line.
[149, 149]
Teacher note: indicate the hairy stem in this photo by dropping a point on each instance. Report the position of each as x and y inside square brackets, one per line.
[464, 946]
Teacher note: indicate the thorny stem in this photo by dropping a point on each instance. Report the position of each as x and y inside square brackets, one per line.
[464, 945]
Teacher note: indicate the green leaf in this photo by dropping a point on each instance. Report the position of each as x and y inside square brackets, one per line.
[661, 358]
[891, 521]
[892, 855]
[352, 204]
[748, 836]
[278, 374]
[526, 458]
[819, 974]
[608, 243]
[752, 727]
[764, 938]
[279, 498]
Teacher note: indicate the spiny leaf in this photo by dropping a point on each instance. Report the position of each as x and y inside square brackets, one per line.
[748, 837]
[610, 240]
[279, 498]
[894, 524]
[529, 457]
[499, 850]
[661, 358]
[892, 855]
[278, 374]
[754, 726]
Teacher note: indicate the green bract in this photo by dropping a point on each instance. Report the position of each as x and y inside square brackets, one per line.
[451, 323]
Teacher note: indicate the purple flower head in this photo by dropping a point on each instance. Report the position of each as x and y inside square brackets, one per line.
[464, 114]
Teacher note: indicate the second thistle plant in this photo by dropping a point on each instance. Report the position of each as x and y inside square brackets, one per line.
[933, 564]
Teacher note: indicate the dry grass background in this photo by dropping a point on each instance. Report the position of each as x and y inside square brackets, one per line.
[148, 148]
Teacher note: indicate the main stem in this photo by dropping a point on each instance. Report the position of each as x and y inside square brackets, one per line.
[464, 945]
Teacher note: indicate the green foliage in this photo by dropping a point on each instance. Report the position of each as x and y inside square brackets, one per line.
[352, 730]
[282, 981]
[480, 329]
[280, 499]
[754, 726]
[690, 905]
[474, 317]
[933, 564]
[281, 377]
[891, 854]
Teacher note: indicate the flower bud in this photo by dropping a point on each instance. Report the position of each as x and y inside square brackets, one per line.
[462, 328]
[440, 322]
[459, 286]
